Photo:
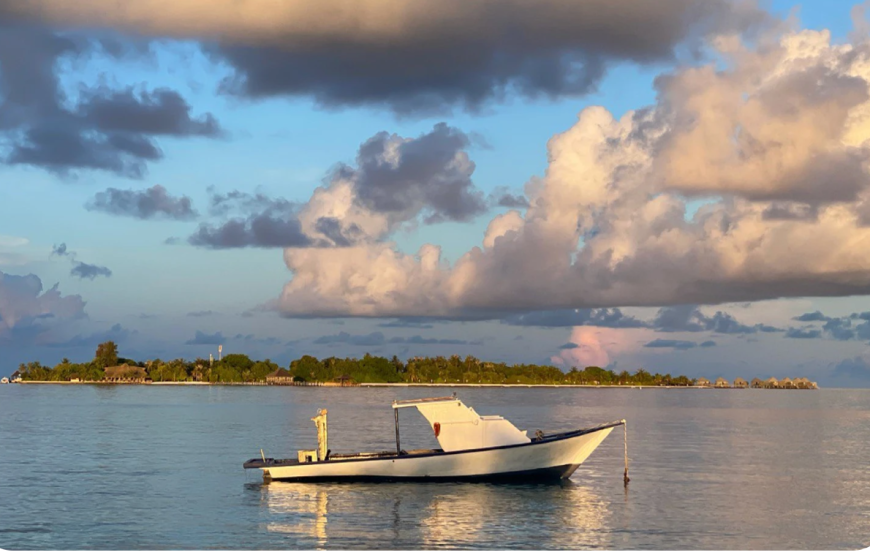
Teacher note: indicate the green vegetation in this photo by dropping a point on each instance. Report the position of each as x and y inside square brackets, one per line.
[237, 368]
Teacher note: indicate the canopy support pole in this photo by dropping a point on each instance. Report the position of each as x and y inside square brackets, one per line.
[398, 445]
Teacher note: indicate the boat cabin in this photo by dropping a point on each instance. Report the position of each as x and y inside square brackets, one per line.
[458, 427]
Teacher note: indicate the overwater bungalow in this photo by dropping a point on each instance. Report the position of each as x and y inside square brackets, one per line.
[771, 383]
[786, 383]
[344, 380]
[279, 377]
[757, 383]
[702, 382]
[740, 383]
[125, 374]
[722, 382]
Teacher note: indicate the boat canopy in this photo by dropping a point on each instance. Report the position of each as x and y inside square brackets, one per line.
[458, 427]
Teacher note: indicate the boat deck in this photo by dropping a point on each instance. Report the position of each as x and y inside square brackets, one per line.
[267, 462]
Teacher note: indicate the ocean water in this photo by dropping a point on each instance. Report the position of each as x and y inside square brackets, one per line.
[160, 467]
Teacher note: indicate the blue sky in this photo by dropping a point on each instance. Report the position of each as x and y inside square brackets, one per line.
[285, 146]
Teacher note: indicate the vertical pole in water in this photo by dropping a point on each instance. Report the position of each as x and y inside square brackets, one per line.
[625, 478]
[398, 446]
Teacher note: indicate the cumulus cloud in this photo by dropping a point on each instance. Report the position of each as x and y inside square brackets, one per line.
[853, 371]
[152, 203]
[590, 346]
[414, 56]
[607, 224]
[201, 338]
[395, 181]
[24, 304]
[100, 129]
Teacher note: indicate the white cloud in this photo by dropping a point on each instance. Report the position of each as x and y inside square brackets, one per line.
[606, 225]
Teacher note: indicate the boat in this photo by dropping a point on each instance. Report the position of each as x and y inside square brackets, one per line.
[4, 379]
[474, 448]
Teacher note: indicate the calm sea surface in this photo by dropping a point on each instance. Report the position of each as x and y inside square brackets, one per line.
[159, 467]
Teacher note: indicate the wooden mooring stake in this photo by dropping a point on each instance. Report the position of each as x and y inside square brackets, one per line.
[625, 478]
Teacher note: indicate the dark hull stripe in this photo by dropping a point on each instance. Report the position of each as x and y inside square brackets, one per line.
[536, 476]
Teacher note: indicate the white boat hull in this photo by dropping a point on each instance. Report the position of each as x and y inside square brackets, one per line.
[552, 458]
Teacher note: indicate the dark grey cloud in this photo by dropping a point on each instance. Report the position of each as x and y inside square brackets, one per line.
[671, 344]
[263, 230]
[152, 203]
[798, 333]
[569, 345]
[602, 317]
[251, 338]
[503, 197]
[104, 129]
[415, 323]
[816, 316]
[201, 338]
[59, 250]
[689, 318]
[838, 328]
[396, 179]
[429, 174]
[235, 201]
[82, 270]
[709, 343]
[460, 54]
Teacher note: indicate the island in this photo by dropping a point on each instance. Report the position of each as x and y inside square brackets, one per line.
[107, 367]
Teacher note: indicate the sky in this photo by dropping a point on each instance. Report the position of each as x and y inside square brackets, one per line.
[682, 186]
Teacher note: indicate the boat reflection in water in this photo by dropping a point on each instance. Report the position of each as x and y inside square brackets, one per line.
[435, 516]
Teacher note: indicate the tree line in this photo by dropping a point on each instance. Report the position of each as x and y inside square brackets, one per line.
[239, 368]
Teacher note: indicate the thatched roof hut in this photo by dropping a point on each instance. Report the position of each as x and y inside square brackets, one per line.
[722, 382]
[344, 380]
[786, 383]
[279, 376]
[757, 383]
[703, 382]
[125, 373]
[741, 383]
[771, 383]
